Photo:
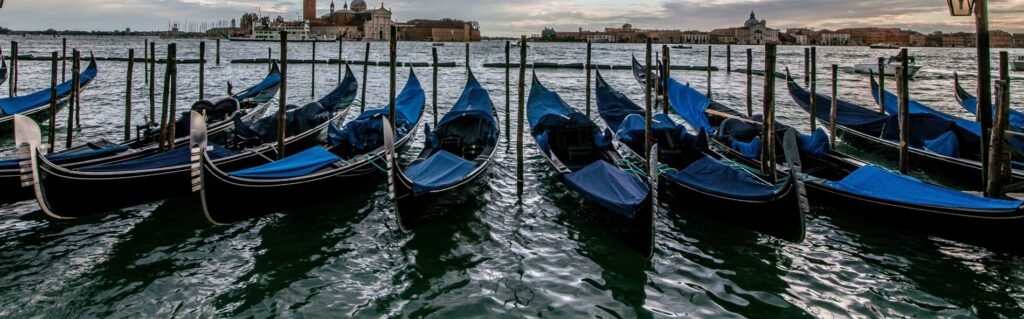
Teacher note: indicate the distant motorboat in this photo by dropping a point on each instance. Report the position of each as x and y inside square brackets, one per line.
[884, 46]
[1018, 64]
[681, 47]
[519, 44]
[438, 44]
[894, 63]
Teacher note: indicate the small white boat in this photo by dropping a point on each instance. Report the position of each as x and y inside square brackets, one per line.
[884, 46]
[1018, 64]
[891, 66]
[519, 44]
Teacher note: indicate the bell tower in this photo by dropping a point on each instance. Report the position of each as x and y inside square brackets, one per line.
[309, 10]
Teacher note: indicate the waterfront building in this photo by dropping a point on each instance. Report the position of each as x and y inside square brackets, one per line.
[444, 30]
[1000, 39]
[695, 37]
[832, 38]
[1018, 40]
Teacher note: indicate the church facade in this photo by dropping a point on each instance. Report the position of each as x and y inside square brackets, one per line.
[355, 21]
[756, 32]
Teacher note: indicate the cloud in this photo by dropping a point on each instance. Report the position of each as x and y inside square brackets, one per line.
[502, 17]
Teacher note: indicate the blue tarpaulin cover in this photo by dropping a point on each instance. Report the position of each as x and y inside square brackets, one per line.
[874, 182]
[545, 110]
[364, 134]
[175, 157]
[690, 104]
[298, 120]
[272, 79]
[303, 163]
[474, 101]
[62, 157]
[945, 144]
[440, 170]
[710, 175]
[18, 104]
[609, 186]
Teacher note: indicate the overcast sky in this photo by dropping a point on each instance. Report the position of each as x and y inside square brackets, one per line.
[504, 17]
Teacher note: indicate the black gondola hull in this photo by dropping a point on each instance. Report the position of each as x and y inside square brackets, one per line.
[71, 194]
[780, 216]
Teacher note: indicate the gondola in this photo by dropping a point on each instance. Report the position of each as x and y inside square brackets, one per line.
[586, 161]
[354, 152]
[458, 151]
[841, 182]
[698, 176]
[69, 193]
[37, 104]
[970, 103]
[933, 140]
[102, 151]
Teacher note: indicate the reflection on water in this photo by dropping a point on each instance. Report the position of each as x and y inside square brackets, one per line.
[487, 255]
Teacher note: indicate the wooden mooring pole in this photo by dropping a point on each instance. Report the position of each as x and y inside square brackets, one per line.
[64, 60]
[768, 128]
[999, 158]
[832, 116]
[728, 58]
[586, 67]
[312, 74]
[508, 93]
[52, 130]
[520, 113]
[881, 85]
[341, 58]
[172, 109]
[128, 96]
[392, 72]
[217, 55]
[12, 78]
[433, 92]
[366, 69]
[72, 98]
[709, 73]
[165, 98]
[750, 82]
[648, 97]
[814, 88]
[282, 100]
[903, 99]
[663, 83]
[202, 70]
[152, 83]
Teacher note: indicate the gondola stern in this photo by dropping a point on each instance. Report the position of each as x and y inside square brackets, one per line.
[28, 141]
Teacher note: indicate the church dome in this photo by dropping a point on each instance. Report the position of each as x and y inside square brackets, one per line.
[752, 21]
[358, 5]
